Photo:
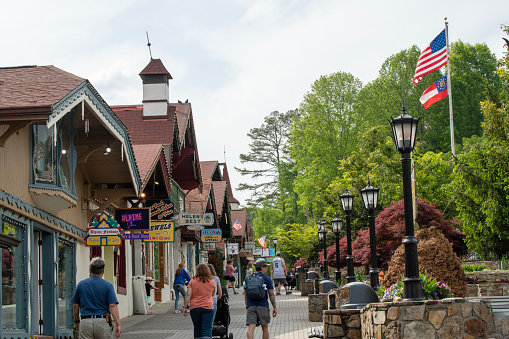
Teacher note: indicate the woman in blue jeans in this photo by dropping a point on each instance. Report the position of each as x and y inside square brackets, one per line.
[181, 277]
[199, 297]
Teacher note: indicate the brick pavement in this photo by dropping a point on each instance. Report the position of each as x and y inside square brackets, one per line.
[291, 322]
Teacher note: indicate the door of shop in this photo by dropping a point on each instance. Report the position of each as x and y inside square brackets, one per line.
[43, 272]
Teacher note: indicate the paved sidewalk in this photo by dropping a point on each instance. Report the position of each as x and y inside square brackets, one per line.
[291, 322]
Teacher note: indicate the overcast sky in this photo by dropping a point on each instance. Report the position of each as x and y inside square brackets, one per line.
[235, 60]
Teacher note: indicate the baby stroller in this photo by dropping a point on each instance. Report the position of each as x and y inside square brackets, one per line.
[222, 319]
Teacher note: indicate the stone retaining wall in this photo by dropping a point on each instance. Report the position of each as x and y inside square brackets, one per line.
[307, 288]
[317, 303]
[342, 324]
[429, 319]
[488, 276]
[487, 290]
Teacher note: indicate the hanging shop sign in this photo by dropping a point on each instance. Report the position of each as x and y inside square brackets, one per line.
[209, 246]
[211, 235]
[160, 209]
[233, 249]
[104, 231]
[133, 219]
[251, 245]
[135, 236]
[258, 251]
[161, 231]
[205, 219]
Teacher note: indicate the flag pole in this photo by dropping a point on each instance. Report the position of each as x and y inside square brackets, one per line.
[449, 88]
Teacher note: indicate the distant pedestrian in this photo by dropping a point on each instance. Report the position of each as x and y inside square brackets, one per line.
[229, 275]
[148, 289]
[181, 279]
[258, 289]
[199, 296]
[279, 272]
[249, 269]
[219, 290]
[95, 299]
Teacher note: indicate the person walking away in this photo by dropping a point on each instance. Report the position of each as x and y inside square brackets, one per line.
[199, 297]
[95, 299]
[279, 273]
[229, 275]
[249, 269]
[257, 288]
[181, 279]
[219, 291]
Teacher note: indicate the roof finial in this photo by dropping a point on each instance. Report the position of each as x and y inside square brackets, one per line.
[149, 44]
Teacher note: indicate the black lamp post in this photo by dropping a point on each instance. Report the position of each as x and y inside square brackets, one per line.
[347, 202]
[336, 228]
[370, 197]
[404, 128]
[319, 225]
[323, 237]
[274, 241]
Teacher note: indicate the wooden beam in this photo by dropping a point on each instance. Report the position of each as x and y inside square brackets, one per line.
[113, 193]
[13, 128]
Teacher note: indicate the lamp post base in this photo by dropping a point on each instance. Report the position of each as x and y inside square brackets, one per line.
[338, 276]
[373, 278]
[412, 289]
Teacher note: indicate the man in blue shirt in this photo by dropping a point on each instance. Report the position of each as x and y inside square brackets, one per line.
[95, 298]
[258, 311]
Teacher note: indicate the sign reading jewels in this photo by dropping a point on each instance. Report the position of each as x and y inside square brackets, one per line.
[211, 235]
[206, 219]
[160, 209]
[161, 231]
[133, 219]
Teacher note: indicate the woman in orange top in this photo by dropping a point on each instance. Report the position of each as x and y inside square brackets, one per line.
[200, 291]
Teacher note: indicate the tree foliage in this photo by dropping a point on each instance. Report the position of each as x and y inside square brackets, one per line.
[268, 151]
[481, 176]
[298, 240]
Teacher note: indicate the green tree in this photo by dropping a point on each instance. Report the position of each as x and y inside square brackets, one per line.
[268, 152]
[323, 135]
[298, 240]
[481, 176]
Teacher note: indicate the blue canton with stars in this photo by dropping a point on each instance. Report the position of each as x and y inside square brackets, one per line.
[438, 43]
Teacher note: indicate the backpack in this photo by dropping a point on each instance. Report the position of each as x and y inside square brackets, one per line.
[254, 287]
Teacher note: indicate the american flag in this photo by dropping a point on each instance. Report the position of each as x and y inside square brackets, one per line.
[432, 57]
[237, 226]
[263, 241]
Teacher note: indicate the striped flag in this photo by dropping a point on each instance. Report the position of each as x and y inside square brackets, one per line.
[432, 57]
[263, 241]
[436, 92]
[237, 226]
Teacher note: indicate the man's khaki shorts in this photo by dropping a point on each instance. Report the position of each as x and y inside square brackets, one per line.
[258, 315]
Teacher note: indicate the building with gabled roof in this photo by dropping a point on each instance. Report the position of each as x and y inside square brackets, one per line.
[66, 158]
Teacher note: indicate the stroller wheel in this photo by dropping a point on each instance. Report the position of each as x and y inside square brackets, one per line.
[230, 336]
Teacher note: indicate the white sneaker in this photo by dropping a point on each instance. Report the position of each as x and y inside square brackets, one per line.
[177, 311]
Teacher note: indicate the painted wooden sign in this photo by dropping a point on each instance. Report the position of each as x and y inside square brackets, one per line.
[104, 232]
[211, 235]
[160, 209]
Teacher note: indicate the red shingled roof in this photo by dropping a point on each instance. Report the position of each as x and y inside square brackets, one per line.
[207, 170]
[147, 156]
[35, 86]
[226, 178]
[241, 216]
[219, 188]
[155, 67]
[149, 131]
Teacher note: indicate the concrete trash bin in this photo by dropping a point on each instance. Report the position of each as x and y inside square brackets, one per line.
[328, 285]
[312, 276]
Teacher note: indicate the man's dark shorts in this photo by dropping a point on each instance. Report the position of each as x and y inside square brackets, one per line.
[258, 315]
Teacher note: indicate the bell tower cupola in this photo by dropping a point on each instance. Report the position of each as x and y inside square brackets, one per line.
[156, 89]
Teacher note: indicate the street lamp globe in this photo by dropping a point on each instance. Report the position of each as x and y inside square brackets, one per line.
[370, 196]
[321, 235]
[321, 226]
[404, 128]
[347, 201]
[274, 241]
[336, 225]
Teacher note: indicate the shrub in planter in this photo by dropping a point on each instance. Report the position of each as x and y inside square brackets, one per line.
[436, 257]
[432, 289]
